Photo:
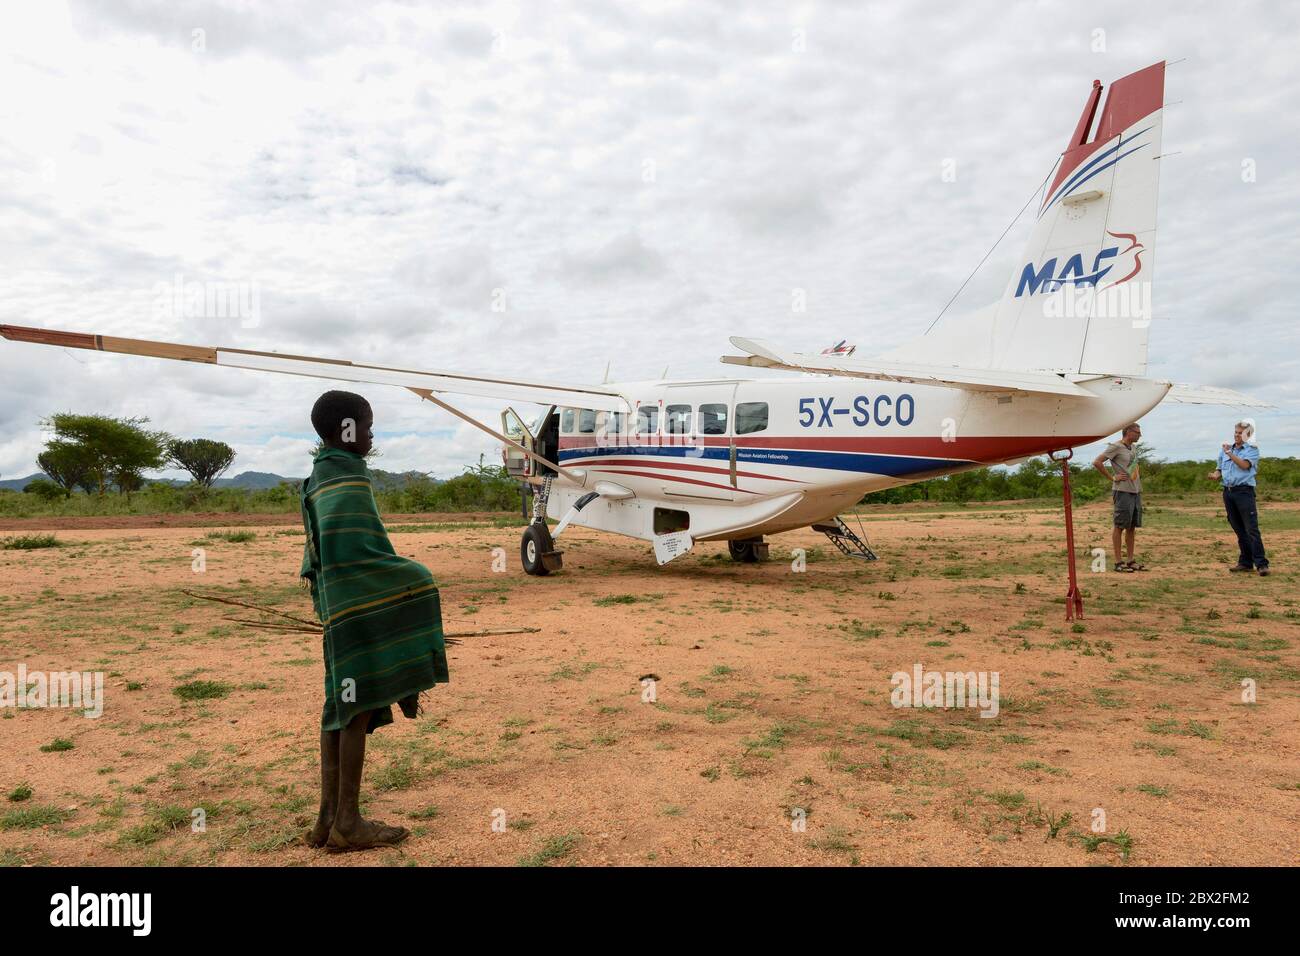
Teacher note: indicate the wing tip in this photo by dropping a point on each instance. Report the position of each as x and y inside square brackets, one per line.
[24, 333]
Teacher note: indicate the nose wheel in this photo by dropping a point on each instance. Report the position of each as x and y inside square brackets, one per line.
[537, 551]
[537, 547]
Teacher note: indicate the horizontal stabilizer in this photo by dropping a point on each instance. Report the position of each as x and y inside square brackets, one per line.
[762, 355]
[338, 369]
[1210, 395]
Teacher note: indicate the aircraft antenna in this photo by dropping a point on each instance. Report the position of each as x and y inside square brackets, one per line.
[991, 248]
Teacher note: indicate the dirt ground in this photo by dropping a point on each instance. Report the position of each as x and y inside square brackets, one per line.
[1122, 739]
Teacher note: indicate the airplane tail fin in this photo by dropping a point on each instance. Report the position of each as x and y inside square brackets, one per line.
[1079, 299]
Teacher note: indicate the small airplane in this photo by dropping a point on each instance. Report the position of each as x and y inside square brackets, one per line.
[1059, 361]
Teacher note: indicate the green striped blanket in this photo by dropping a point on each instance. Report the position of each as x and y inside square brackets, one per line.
[381, 614]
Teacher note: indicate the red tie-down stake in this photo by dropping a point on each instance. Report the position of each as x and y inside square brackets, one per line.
[1073, 597]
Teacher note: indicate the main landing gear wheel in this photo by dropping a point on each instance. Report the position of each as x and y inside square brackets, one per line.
[537, 551]
[748, 552]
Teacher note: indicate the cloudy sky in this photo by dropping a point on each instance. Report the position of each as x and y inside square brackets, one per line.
[544, 189]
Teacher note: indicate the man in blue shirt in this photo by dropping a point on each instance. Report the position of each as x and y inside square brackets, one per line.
[1238, 466]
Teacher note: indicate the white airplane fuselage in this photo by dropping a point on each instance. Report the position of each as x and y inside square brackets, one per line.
[823, 443]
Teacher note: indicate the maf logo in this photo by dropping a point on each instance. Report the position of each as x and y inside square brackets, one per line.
[1047, 279]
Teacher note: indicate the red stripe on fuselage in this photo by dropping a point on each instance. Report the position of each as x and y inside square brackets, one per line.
[674, 478]
[597, 462]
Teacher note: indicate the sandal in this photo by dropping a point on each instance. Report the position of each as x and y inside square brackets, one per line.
[1136, 566]
[1123, 567]
[382, 835]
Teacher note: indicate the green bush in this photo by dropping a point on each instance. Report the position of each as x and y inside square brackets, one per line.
[44, 489]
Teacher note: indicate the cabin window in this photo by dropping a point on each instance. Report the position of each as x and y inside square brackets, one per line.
[647, 420]
[677, 420]
[609, 425]
[566, 422]
[751, 417]
[713, 419]
[586, 421]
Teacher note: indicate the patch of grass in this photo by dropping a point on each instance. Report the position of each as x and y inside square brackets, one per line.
[398, 775]
[1188, 728]
[29, 542]
[169, 816]
[201, 690]
[1153, 790]
[718, 714]
[919, 735]
[57, 745]
[1008, 799]
[231, 537]
[774, 739]
[31, 818]
[20, 793]
[424, 813]
[612, 599]
[1158, 749]
[1039, 765]
[856, 630]
[1018, 705]
[1057, 823]
[1121, 841]
[833, 840]
[1107, 698]
[575, 671]
[552, 849]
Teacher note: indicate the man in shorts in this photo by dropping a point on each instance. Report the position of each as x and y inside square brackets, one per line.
[1126, 492]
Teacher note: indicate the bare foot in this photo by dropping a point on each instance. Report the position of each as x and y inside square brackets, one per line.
[364, 835]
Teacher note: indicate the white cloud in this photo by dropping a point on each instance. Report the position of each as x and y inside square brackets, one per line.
[378, 171]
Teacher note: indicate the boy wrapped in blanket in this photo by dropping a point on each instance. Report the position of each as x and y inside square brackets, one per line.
[381, 616]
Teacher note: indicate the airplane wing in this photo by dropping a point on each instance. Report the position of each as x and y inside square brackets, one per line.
[599, 399]
[1211, 395]
[762, 355]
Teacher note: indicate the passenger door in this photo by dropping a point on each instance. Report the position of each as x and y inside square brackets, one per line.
[704, 448]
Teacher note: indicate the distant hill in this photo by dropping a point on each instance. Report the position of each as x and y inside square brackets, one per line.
[252, 480]
[18, 484]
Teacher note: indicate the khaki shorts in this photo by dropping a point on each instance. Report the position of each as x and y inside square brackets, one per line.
[1128, 509]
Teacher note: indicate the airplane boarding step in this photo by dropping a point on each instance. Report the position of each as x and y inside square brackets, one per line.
[843, 538]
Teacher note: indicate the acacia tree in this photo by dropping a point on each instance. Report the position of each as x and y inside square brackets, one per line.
[107, 446]
[68, 466]
[203, 458]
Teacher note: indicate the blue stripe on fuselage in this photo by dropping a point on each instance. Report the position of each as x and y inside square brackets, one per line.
[895, 466]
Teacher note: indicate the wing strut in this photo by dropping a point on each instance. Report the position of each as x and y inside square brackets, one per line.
[424, 393]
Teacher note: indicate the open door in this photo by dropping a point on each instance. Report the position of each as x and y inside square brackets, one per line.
[541, 437]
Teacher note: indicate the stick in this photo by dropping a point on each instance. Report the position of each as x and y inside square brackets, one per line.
[251, 607]
[493, 632]
[447, 636]
[273, 625]
[312, 628]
